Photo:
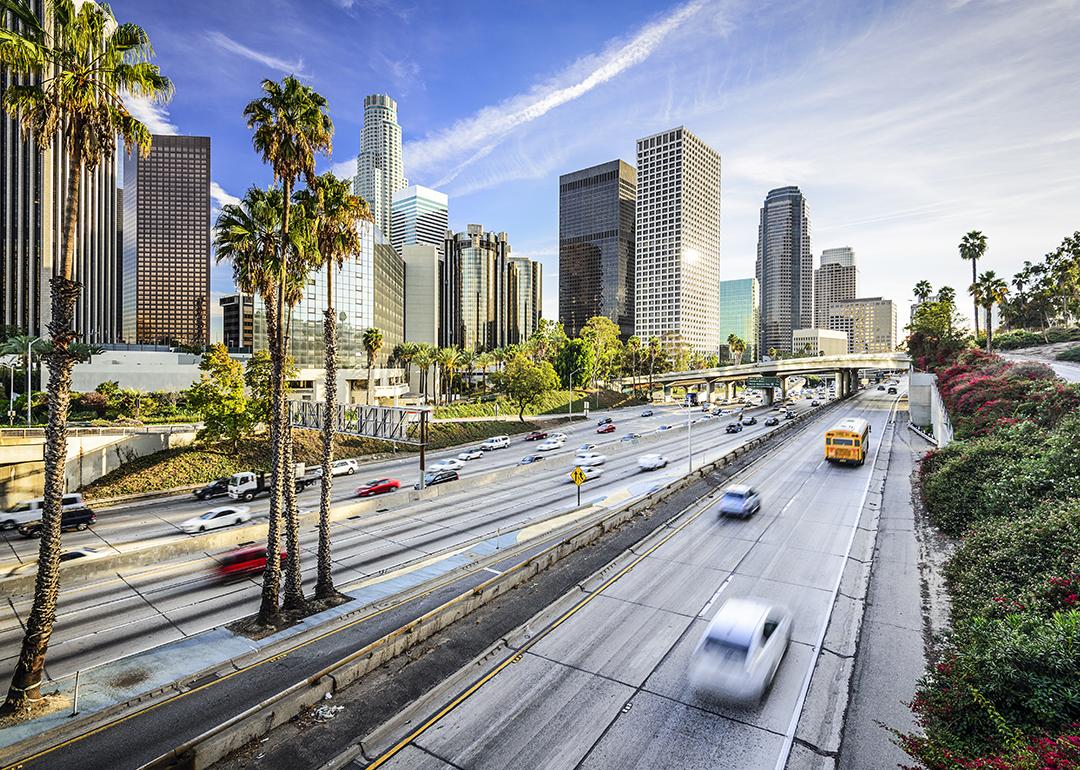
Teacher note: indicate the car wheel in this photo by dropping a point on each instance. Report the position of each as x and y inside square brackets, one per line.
[200, 495]
[81, 526]
[202, 529]
[248, 496]
[352, 471]
[7, 525]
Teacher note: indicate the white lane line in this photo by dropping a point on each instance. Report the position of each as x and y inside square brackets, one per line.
[492, 571]
[714, 597]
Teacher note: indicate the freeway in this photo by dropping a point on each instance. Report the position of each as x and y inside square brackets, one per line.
[143, 607]
[600, 678]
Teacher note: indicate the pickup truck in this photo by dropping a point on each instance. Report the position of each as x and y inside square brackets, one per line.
[30, 510]
[71, 518]
[247, 485]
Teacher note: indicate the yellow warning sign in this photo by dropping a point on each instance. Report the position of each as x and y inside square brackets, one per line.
[578, 476]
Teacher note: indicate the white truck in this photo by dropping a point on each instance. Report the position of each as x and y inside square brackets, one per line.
[247, 485]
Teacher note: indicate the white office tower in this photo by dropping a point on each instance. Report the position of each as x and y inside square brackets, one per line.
[677, 232]
[379, 169]
[418, 215]
[843, 256]
[837, 280]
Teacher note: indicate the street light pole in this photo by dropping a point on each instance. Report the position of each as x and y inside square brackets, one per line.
[29, 389]
[689, 439]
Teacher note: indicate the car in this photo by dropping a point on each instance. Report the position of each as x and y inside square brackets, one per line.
[630, 437]
[220, 487]
[772, 421]
[651, 462]
[647, 413]
[892, 390]
[70, 518]
[471, 454]
[216, 518]
[495, 442]
[557, 436]
[815, 403]
[551, 444]
[586, 448]
[530, 459]
[741, 650]
[776, 407]
[592, 471]
[739, 500]
[431, 478]
[604, 421]
[606, 428]
[589, 458]
[716, 412]
[881, 387]
[244, 562]
[663, 428]
[447, 464]
[65, 556]
[344, 467]
[733, 427]
[378, 487]
[789, 416]
[29, 511]
[706, 406]
[749, 420]
[536, 435]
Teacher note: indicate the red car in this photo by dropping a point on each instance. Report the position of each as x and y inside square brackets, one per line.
[607, 428]
[244, 562]
[378, 487]
[536, 435]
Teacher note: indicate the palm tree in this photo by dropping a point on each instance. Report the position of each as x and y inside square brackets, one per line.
[404, 353]
[972, 249]
[75, 66]
[654, 353]
[988, 291]
[423, 359]
[466, 361]
[290, 125]
[633, 347]
[923, 290]
[372, 341]
[447, 358]
[484, 361]
[337, 216]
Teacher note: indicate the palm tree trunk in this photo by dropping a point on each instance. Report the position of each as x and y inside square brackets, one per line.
[324, 586]
[271, 587]
[294, 589]
[975, 279]
[370, 374]
[25, 685]
[989, 329]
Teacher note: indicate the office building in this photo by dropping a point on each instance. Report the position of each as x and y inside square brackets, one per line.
[33, 188]
[819, 342]
[422, 301]
[677, 241]
[418, 215]
[388, 296]
[596, 246]
[836, 280]
[474, 290]
[869, 322]
[525, 297]
[238, 322]
[740, 311]
[379, 169]
[784, 268]
[167, 242]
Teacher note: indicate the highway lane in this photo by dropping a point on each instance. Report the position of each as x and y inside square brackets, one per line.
[600, 680]
[146, 606]
[1066, 370]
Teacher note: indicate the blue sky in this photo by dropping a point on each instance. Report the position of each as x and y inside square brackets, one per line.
[904, 123]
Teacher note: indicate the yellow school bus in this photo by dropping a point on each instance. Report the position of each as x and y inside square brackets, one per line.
[848, 441]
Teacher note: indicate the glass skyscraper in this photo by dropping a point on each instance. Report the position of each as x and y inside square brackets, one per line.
[379, 168]
[739, 315]
[785, 268]
[419, 215]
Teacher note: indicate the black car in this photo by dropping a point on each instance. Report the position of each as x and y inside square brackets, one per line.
[734, 427]
[605, 421]
[789, 416]
[432, 478]
[71, 518]
[213, 489]
[772, 421]
[647, 413]
[881, 387]
[892, 391]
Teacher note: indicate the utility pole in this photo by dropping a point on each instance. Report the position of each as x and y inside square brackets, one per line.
[689, 439]
[423, 445]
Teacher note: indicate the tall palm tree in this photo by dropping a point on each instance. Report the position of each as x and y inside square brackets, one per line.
[75, 64]
[447, 358]
[633, 347]
[654, 353]
[423, 358]
[972, 249]
[289, 124]
[923, 290]
[404, 352]
[337, 214]
[988, 291]
[372, 341]
[484, 361]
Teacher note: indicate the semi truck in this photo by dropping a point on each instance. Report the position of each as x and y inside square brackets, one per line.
[247, 485]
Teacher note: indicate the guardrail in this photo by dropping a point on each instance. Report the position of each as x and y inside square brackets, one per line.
[112, 430]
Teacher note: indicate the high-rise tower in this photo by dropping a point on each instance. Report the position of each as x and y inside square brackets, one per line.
[379, 169]
[418, 215]
[836, 280]
[785, 268]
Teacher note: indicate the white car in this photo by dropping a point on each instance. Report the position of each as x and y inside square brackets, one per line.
[651, 462]
[557, 436]
[550, 445]
[471, 454]
[66, 556]
[447, 464]
[741, 650]
[216, 518]
[495, 442]
[344, 467]
[587, 459]
[592, 471]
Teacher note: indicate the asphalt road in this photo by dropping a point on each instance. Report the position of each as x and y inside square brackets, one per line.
[1066, 370]
[606, 686]
[143, 607]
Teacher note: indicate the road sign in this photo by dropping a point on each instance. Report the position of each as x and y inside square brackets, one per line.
[577, 475]
[763, 382]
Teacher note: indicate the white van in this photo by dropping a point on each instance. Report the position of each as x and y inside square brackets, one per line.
[495, 442]
[30, 510]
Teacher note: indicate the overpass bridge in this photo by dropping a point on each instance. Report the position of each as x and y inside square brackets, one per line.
[843, 369]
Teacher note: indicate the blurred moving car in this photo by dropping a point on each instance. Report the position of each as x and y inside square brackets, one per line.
[29, 511]
[651, 462]
[66, 556]
[740, 500]
[662, 428]
[604, 421]
[70, 518]
[550, 445]
[772, 421]
[495, 442]
[647, 413]
[244, 562]
[590, 458]
[431, 478]
[216, 518]
[378, 487]
[591, 471]
[586, 448]
[447, 464]
[741, 650]
[471, 454]
[630, 437]
[790, 415]
[734, 427]
[220, 487]
[881, 387]
[536, 435]
[530, 459]
[892, 390]
[749, 420]
[814, 403]
[607, 427]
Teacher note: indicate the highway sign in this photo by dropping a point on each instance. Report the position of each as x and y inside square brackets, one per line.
[763, 382]
[577, 475]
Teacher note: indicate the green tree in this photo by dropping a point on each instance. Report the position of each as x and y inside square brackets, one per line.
[219, 396]
[526, 382]
[447, 358]
[546, 340]
[603, 335]
[923, 290]
[372, 340]
[972, 249]
[989, 291]
[70, 72]
[575, 358]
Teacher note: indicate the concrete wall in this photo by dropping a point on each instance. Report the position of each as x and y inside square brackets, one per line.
[145, 370]
[926, 408]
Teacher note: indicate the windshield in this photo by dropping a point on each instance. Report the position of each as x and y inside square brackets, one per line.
[373, 482]
[209, 515]
[19, 508]
[734, 497]
[728, 650]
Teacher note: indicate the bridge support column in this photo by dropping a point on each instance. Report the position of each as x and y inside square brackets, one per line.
[667, 392]
[708, 391]
[727, 390]
[770, 396]
[783, 388]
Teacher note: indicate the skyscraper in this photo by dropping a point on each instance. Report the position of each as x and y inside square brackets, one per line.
[740, 312]
[379, 169]
[785, 268]
[677, 240]
[33, 185]
[167, 242]
[418, 215]
[596, 246]
[870, 324]
[836, 280]
[474, 290]
[525, 298]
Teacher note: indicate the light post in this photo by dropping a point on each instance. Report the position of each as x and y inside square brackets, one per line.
[689, 439]
[29, 389]
[570, 405]
[11, 394]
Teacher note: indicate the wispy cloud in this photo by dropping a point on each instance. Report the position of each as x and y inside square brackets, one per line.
[404, 74]
[226, 43]
[220, 197]
[154, 116]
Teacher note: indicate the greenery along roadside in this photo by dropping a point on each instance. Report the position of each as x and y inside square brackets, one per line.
[553, 402]
[200, 464]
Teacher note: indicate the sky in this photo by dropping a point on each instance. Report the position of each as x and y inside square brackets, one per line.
[905, 124]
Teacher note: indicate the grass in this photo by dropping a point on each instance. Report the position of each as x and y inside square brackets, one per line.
[555, 402]
[1070, 354]
[203, 463]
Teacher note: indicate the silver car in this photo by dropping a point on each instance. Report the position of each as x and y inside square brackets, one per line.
[740, 652]
[740, 500]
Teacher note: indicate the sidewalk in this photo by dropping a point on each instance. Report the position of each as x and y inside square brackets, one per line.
[889, 657]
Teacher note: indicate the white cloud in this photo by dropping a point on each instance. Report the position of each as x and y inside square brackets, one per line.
[154, 116]
[285, 66]
[220, 197]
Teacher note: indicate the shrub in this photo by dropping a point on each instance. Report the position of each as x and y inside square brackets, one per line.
[1058, 752]
[1071, 354]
